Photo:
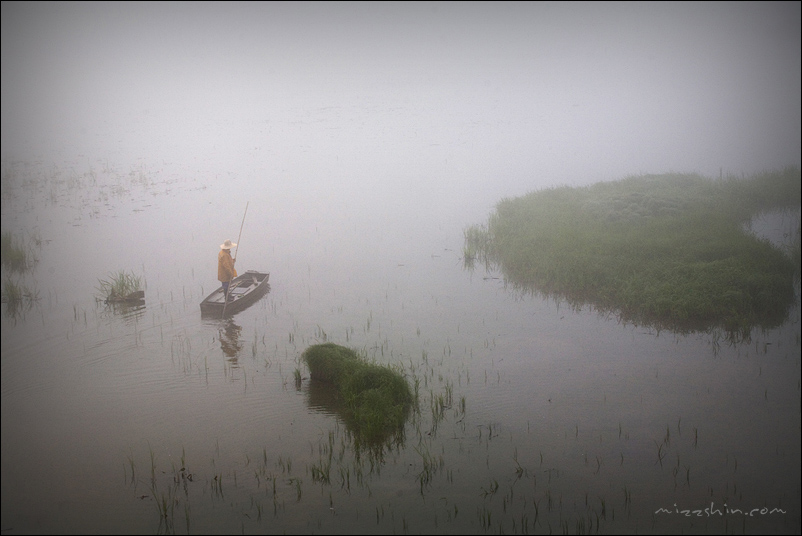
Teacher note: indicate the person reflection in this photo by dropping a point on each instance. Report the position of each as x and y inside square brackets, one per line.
[229, 338]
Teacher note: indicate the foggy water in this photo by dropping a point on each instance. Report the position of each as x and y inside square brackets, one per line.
[364, 138]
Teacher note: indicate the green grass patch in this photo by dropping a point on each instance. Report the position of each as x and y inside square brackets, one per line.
[121, 287]
[670, 251]
[375, 399]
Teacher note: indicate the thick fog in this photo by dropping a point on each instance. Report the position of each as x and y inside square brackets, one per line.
[512, 95]
[346, 147]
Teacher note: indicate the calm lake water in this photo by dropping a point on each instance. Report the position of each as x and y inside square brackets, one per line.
[532, 417]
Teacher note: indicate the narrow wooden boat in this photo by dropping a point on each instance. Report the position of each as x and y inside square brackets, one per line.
[244, 291]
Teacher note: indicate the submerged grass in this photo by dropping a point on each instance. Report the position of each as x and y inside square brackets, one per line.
[18, 297]
[670, 251]
[15, 255]
[376, 399]
[18, 260]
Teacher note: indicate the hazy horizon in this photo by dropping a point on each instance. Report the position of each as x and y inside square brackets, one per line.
[547, 92]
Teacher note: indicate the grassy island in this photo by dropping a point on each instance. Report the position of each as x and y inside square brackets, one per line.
[670, 251]
[375, 400]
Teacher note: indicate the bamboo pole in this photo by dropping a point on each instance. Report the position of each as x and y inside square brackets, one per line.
[225, 302]
[240, 229]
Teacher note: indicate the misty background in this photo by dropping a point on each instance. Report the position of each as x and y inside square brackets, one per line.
[515, 94]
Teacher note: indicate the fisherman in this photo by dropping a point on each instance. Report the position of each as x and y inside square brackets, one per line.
[225, 265]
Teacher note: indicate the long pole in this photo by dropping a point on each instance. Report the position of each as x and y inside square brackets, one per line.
[236, 251]
[240, 229]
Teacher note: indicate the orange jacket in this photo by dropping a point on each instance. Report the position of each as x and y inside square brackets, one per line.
[225, 266]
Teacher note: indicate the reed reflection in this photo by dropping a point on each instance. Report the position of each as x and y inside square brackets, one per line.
[373, 401]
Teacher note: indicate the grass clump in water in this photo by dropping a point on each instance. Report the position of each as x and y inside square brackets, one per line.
[669, 251]
[16, 257]
[18, 297]
[375, 399]
[121, 287]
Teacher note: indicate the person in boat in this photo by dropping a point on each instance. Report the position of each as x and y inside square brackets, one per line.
[225, 265]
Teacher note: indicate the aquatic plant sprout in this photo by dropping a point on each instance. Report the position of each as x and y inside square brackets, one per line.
[119, 285]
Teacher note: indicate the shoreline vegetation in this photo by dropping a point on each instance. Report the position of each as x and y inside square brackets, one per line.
[669, 251]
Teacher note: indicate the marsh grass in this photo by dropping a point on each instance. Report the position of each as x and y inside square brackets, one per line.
[120, 287]
[18, 297]
[375, 399]
[16, 255]
[18, 259]
[669, 251]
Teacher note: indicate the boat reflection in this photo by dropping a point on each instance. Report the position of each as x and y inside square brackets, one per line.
[229, 334]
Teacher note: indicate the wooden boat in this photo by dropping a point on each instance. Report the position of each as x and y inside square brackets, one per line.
[244, 291]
